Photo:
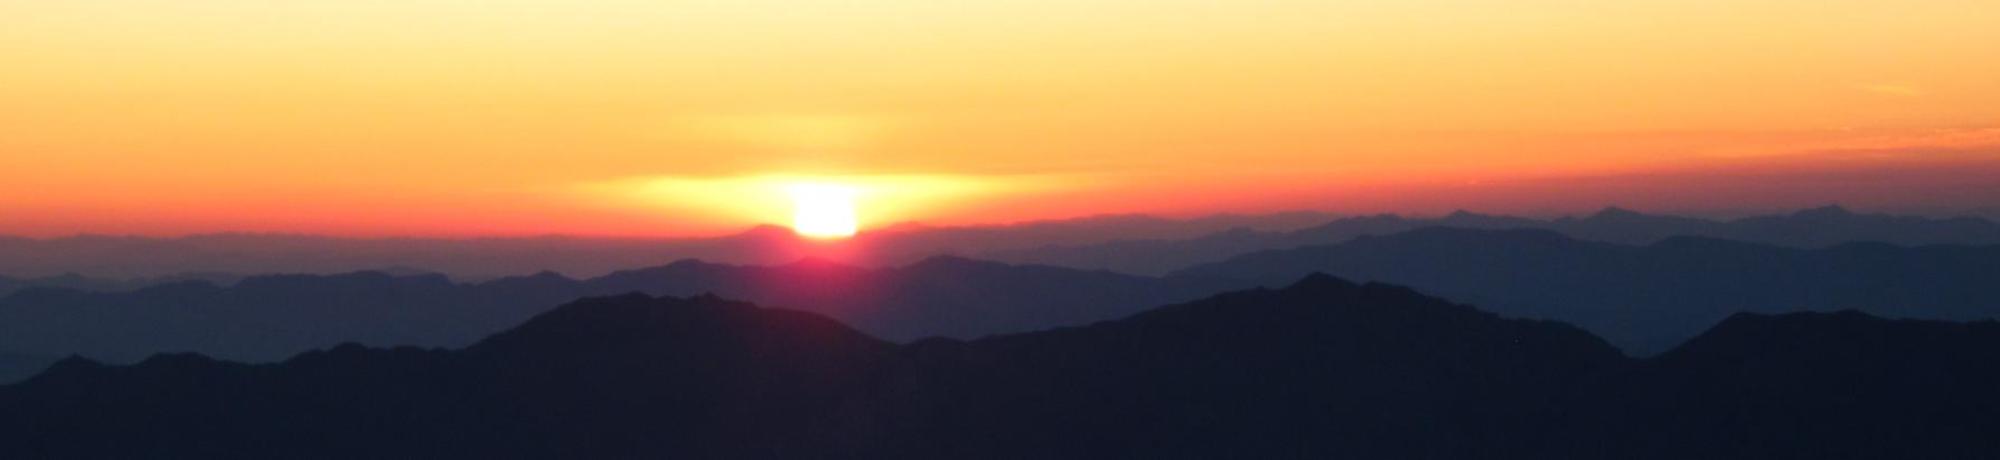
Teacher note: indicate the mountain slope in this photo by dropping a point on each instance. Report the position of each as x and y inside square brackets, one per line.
[15, 367]
[1323, 368]
[1647, 298]
[603, 378]
[267, 318]
[634, 376]
[1801, 385]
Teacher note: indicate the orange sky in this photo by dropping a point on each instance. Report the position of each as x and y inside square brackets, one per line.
[446, 117]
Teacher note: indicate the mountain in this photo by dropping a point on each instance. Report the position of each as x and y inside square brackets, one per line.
[1810, 228]
[1360, 368]
[939, 296]
[1322, 368]
[616, 377]
[9, 285]
[1799, 385]
[1134, 244]
[1647, 298]
[15, 367]
[922, 241]
[489, 258]
[266, 318]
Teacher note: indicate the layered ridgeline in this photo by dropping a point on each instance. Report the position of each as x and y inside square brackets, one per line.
[1641, 298]
[1645, 299]
[1129, 244]
[267, 318]
[10, 285]
[487, 258]
[1320, 369]
[1811, 228]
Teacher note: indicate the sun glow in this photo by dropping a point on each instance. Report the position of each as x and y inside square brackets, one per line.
[817, 201]
[823, 210]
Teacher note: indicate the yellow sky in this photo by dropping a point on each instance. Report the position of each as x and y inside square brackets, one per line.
[514, 116]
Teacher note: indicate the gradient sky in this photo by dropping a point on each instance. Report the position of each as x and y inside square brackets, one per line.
[503, 117]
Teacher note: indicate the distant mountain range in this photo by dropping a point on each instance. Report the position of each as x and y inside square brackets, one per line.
[1129, 244]
[475, 259]
[1811, 228]
[265, 318]
[10, 285]
[1320, 369]
[1647, 298]
[1644, 299]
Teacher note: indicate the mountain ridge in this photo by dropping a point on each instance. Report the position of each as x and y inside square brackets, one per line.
[266, 318]
[1808, 228]
[1319, 367]
[1647, 298]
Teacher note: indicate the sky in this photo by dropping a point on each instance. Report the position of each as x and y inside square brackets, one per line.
[602, 117]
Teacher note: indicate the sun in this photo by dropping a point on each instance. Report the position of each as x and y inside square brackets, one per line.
[823, 210]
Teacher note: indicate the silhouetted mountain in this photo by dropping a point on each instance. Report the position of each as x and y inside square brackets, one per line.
[1647, 298]
[488, 258]
[266, 318]
[14, 367]
[617, 377]
[1323, 368]
[1800, 385]
[940, 296]
[1125, 243]
[1811, 228]
[260, 318]
[74, 281]
[634, 376]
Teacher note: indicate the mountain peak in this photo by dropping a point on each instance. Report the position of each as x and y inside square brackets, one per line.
[663, 324]
[686, 264]
[74, 363]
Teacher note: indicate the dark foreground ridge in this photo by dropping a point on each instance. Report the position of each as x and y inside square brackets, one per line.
[1323, 368]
